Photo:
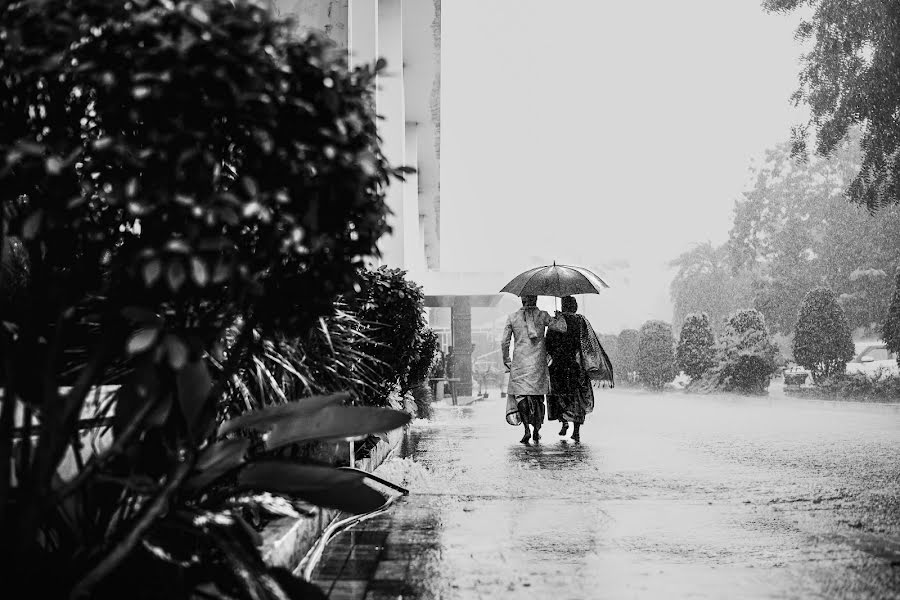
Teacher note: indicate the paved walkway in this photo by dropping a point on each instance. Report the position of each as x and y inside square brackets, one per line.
[667, 496]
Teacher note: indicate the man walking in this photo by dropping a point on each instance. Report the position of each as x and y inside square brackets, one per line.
[528, 378]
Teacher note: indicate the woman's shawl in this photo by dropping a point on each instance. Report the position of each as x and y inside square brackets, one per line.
[593, 356]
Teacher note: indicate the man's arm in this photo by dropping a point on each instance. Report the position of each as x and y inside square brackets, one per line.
[504, 345]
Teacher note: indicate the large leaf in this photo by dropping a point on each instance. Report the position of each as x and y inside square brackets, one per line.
[194, 383]
[336, 422]
[266, 418]
[216, 460]
[322, 486]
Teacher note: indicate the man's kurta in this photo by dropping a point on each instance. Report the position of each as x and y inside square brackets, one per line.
[528, 367]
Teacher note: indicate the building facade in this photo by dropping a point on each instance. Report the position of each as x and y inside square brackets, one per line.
[407, 34]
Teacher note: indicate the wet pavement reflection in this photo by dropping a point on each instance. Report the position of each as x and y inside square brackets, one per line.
[666, 496]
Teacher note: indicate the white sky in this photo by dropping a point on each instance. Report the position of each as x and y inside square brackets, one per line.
[598, 131]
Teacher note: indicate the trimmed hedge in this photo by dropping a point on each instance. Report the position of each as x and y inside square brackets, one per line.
[656, 354]
[696, 346]
[745, 354]
[822, 340]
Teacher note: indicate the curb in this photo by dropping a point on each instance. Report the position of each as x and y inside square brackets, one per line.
[286, 541]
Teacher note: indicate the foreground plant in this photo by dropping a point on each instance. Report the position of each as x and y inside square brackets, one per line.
[167, 171]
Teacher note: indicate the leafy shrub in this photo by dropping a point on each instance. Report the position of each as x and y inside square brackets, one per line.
[877, 387]
[427, 355]
[822, 341]
[696, 346]
[745, 354]
[627, 354]
[172, 170]
[891, 330]
[392, 312]
[328, 359]
[656, 356]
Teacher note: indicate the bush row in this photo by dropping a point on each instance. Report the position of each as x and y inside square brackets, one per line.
[187, 190]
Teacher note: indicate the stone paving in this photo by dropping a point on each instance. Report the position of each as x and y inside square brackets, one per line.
[667, 496]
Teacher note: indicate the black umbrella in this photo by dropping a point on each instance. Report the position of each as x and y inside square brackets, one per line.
[555, 280]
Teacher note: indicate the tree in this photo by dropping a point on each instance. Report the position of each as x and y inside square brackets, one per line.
[891, 331]
[626, 352]
[656, 356]
[822, 342]
[707, 283]
[849, 78]
[695, 351]
[793, 232]
[745, 354]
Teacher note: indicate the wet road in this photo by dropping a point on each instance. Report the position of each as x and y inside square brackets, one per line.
[667, 496]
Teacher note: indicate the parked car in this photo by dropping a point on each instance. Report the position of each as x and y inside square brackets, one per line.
[794, 374]
[873, 358]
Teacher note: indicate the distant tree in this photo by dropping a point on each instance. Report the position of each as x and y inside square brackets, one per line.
[745, 354]
[626, 353]
[794, 232]
[695, 351]
[891, 331]
[656, 354]
[707, 283]
[849, 78]
[822, 342]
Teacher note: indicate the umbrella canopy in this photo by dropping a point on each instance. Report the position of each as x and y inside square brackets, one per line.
[555, 280]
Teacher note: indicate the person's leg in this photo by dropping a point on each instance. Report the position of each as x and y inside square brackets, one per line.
[565, 426]
[537, 412]
[576, 432]
[525, 416]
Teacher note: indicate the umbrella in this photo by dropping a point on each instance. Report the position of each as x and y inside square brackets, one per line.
[555, 280]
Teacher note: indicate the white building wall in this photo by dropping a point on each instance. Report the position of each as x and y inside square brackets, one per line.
[406, 33]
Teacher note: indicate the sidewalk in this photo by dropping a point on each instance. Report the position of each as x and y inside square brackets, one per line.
[375, 560]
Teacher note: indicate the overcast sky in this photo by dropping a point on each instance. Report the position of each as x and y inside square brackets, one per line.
[605, 133]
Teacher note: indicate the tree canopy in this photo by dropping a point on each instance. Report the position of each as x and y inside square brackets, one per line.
[850, 77]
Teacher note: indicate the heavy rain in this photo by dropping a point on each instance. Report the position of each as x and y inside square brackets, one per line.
[413, 299]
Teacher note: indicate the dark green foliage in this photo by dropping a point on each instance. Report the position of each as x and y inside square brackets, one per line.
[327, 360]
[171, 170]
[891, 331]
[855, 386]
[822, 341]
[696, 346]
[656, 354]
[627, 355]
[745, 354]
[850, 78]
[426, 355]
[391, 310]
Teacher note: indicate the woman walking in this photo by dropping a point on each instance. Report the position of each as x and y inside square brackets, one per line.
[571, 396]
[528, 380]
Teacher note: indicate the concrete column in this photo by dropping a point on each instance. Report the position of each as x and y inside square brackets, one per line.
[391, 106]
[413, 250]
[461, 331]
[363, 32]
[328, 16]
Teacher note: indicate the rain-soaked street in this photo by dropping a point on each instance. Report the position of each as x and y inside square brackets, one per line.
[667, 496]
